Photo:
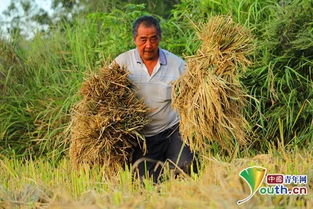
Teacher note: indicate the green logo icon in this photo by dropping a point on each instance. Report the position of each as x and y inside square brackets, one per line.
[254, 177]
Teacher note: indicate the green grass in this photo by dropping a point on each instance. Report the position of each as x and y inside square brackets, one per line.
[40, 78]
[43, 75]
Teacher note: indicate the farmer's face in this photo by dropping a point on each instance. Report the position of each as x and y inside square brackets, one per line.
[147, 41]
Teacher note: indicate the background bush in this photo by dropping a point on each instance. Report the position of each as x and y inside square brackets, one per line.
[40, 77]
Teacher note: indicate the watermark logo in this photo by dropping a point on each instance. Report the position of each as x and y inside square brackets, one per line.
[254, 177]
[278, 184]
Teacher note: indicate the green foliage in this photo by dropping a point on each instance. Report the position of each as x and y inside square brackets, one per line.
[42, 77]
[290, 33]
[282, 77]
[115, 39]
[39, 78]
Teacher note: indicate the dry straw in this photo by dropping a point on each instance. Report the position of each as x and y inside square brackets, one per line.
[107, 121]
[209, 96]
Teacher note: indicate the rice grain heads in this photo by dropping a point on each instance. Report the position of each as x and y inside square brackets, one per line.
[107, 121]
[209, 96]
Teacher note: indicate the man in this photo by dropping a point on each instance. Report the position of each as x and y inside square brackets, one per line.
[152, 70]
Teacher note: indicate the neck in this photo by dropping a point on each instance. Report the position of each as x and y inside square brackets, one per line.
[150, 64]
[150, 60]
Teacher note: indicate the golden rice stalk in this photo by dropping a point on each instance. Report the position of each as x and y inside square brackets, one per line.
[107, 121]
[225, 46]
[209, 97]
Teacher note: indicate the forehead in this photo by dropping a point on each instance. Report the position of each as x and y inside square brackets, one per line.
[146, 30]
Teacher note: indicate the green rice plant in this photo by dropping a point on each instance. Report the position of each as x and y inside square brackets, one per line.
[282, 78]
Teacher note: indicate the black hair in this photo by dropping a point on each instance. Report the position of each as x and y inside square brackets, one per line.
[147, 21]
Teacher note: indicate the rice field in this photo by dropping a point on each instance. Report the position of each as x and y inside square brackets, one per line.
[42, 184]
[40, 81]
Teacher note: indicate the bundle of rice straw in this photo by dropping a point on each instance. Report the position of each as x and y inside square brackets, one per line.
[107, 121]
[209, 96]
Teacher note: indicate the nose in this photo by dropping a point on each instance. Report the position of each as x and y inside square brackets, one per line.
[148, 44]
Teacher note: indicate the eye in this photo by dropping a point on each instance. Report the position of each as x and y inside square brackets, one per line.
[154, 39]
[143, 40]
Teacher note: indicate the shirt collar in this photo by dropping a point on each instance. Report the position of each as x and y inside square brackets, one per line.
[162, 57]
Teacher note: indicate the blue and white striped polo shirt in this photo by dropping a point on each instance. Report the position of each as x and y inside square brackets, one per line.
[155, 89]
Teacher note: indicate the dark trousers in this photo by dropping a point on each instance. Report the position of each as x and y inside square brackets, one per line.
[166, 146]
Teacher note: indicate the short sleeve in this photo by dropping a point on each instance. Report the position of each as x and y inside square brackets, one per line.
[182, 67]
